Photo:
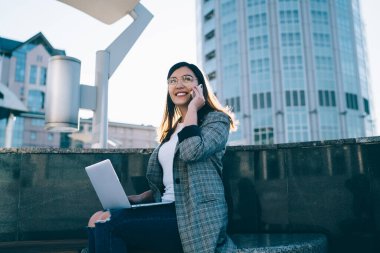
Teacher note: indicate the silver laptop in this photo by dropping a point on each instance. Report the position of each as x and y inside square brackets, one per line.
[108, 187]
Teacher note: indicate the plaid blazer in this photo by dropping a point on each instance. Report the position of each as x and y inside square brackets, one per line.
[199, 193]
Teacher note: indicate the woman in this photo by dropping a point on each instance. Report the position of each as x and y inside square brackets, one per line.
[185, 169]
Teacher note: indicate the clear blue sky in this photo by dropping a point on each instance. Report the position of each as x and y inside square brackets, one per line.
[138, 87]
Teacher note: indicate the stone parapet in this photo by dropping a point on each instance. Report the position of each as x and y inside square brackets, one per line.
[329, 187]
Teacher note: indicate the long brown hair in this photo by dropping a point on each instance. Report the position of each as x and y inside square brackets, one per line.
[172, 114]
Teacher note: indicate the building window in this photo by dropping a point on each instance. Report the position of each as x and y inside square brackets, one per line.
[20, 66]
[36, 100]
[289, 16]
[33, 135]
[297, 126]
[302, 97]
[228, 7]
[321, 40]
[261, 100]
[295, 98]
[1, 95]
[33, 74]
[257, 20]
[366, 105]
[255, 2]
[258, 42]
[292, 62]
[20, 55]
[290, 39]
[43, 71]
[50, 137]
[22, 91]
[229, 28]
[210, 55]
[209, 15]
[324, 63]
[260, 65]
[287, 98]
[326, 98]
[319, 17]
[352, 101]
[233, 103]
[38, 122]
[39, 58]
[210, 35]
[211, 76]
[263, 135]
[269, 100]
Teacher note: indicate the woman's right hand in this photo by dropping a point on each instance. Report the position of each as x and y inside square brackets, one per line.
[144, 197]
[135, 199]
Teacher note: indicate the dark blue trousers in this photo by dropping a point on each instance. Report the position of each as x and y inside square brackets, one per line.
[148, 228]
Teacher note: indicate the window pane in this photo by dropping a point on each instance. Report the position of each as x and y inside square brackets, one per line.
[327, 98]
[43, 76]
[320, 96]
[262, 104]
[295, 98]
[36, 100]
[33, 74]
[355, 98]
[302, 94]
[269, 100]
[254, 101]
[288, 98]
[332, 95]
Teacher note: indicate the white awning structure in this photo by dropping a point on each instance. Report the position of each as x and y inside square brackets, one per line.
[106, 11]
[9, 102]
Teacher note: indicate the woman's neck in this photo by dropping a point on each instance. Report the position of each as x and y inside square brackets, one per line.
[183, 111]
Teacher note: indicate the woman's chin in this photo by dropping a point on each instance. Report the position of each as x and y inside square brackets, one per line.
[181, 101]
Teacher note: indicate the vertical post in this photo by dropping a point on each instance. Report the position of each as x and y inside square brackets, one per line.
[100, 119]
[9, 131]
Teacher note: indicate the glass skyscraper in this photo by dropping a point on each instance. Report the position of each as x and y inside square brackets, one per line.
[292, 70]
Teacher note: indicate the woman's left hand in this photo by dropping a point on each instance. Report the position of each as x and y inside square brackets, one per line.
[198, 100]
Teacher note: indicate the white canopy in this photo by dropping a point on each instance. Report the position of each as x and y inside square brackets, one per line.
[9, 101]
[107, 11]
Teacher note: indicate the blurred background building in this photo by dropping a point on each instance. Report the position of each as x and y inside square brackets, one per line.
[23, 69]
[291, 70]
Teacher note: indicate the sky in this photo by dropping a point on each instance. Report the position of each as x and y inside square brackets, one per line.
[137, 89]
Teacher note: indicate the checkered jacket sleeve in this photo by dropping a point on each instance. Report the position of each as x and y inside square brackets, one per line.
[198, 143]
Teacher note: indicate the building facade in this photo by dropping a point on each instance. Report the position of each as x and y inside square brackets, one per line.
[23, 70]
[291, 70]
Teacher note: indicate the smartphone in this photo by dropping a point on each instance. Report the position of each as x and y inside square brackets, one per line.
[192, 93]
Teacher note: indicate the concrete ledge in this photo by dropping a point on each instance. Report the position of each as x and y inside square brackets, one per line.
[247, 243]
[281, 243]
[45, 246]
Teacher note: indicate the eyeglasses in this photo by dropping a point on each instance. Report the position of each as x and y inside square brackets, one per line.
[185, 79]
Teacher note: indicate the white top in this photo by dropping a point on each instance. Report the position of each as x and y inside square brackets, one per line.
[166, 157]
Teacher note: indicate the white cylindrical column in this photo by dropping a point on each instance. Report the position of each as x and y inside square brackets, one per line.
[62, 94]
[9, 131]
[100, 120]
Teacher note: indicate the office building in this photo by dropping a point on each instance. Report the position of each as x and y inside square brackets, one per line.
[292, 70]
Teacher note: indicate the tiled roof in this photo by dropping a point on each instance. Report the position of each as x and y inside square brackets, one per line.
[7, 45]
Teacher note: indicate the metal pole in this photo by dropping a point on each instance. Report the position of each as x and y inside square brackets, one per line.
[9, 131]
[100, 119]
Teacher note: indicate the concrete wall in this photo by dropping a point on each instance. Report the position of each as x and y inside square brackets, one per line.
[330, 187]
